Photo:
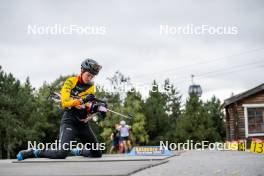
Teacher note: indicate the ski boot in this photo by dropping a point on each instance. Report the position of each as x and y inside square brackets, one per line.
[30, 153]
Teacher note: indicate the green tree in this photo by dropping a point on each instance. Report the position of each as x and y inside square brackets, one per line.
[157, 120]
[49, 113]
[173, 109]
[134, 105]
[215, 112]
[16, 118]
[195, 123]
[114, 101]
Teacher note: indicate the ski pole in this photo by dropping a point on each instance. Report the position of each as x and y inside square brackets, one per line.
[128, 117]
[56, 97]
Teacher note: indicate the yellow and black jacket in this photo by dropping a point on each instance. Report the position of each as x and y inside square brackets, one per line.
[74, 87]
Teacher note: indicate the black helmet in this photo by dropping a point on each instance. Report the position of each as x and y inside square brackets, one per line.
[91, 66]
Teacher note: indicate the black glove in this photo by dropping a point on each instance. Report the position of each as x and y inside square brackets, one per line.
[89, 98]
[100, 107]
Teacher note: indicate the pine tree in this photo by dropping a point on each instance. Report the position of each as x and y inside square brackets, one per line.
[215, 112]
[157, 121]
[134, 105]
[173, 109]
[195, 123]
[16, 117]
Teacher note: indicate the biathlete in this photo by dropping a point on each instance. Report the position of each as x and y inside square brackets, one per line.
[77, 99]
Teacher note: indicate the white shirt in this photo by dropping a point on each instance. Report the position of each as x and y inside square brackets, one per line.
[124, 131]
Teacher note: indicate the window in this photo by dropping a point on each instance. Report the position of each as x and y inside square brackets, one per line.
[255, 120]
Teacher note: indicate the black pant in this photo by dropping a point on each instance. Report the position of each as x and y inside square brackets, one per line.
[71, 128]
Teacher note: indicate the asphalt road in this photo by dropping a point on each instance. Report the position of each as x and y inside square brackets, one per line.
[188, 163]
[210, 163]
[121, 165]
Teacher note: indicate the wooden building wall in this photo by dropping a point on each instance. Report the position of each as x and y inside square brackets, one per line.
[235, 120]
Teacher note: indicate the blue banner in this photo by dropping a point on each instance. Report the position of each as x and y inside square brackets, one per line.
[150, 151]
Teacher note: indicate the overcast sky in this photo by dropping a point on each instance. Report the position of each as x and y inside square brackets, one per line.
[130, 40]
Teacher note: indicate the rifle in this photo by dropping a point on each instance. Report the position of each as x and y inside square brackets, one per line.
[56, 97]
